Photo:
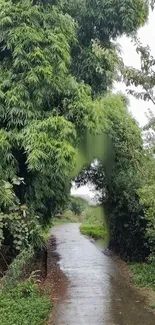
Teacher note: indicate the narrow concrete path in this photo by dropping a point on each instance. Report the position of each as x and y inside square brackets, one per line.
[89, 286]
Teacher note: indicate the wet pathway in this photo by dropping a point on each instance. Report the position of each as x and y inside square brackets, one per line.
[89, 286]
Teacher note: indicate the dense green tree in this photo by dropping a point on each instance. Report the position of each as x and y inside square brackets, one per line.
[145, 77]
[94, 174]
[121, 196]
[95, 57]
[76, 205]
[43, 112]
[54, 55]
[127, 221]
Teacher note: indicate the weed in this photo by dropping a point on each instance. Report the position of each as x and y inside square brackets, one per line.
[24, 305]
[144, 274]
[17, 268]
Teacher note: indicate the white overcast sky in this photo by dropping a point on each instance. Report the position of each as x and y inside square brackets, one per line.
[147, 36]
[138, 108]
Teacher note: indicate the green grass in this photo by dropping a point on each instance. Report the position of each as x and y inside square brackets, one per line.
[24, 305]
[94, 231]
[144, 275]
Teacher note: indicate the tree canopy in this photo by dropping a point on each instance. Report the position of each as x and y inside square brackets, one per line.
[44, 110]
[145, 78]
[58, 59]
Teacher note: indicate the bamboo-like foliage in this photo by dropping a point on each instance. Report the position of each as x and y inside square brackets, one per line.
[43, 111]
[54, 55]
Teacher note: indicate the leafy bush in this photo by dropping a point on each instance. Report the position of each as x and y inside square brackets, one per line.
[18, 228]
[93, 215]
[68, 216]
[88, 217]
[77, 205]
[93, 223]
[24, 305]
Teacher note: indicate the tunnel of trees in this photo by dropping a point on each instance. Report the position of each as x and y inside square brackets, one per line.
[58, 62]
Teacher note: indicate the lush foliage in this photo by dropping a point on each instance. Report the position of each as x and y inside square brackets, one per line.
[93, 215]
[127, 221]
[145, 77]
[125, 213]
[56, 57]
[93, 223]
[42, 109]
[77, 205]
[24, 305]
[95, 58]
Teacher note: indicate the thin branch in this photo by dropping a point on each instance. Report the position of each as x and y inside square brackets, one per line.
[150, 96]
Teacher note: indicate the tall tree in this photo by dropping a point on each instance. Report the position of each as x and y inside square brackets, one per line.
[95, 57]
[145, 78]
[125, 212]
[43, 112]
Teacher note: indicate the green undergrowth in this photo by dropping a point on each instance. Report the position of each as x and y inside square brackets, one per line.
[24, 305]
[94, 231]
[18, 269]
[21, 301]
[143, 275]
[92, 223]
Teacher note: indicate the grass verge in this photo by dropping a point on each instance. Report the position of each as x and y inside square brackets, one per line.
[24, 305]
[21, 301]
[143, 275]
[93, 231]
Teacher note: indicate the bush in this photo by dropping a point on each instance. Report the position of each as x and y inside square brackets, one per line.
[93, 216]
[77, 205]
